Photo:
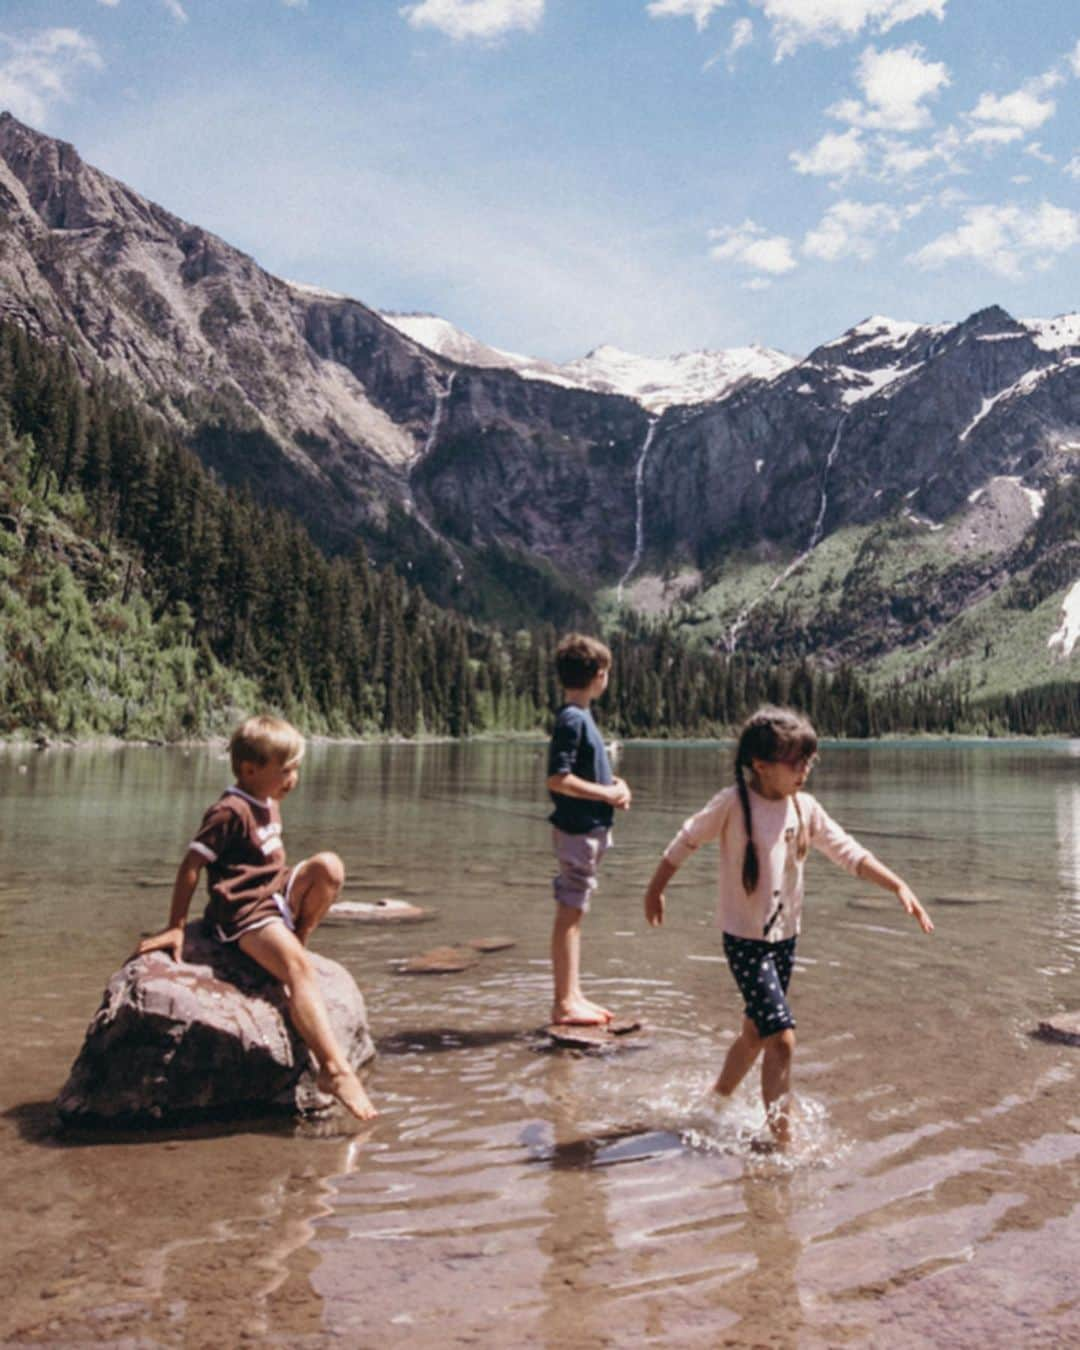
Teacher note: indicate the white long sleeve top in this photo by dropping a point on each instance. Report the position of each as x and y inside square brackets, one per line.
[773, 910]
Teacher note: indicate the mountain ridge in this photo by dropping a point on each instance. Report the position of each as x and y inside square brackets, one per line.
[515, 492]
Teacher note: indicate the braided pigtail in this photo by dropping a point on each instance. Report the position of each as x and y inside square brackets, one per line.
[802, 839]
[750, 870]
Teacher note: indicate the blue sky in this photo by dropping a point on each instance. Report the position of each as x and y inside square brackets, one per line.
[550, 175]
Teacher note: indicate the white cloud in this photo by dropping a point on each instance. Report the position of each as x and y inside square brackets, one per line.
[1026, 109]
[1036, 151]
[698, 10]
[995, 135]
[37, 72]
[836, 155]
[757, 284]
[1005, 239]
[795, 22]
[742, 34]
[753, 247]
[1073, 60]
[1020, 179]
[851, 230]
[109, 4]
[176, 9]
[483, 19]
[900, 159]
[895, 83]
[1073, 167]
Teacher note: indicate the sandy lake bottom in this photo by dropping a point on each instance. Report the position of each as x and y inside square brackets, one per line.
[510, 1195]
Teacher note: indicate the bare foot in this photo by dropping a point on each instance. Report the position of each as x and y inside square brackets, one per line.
[599, 1009]
[583, 1014]
[347, 1088]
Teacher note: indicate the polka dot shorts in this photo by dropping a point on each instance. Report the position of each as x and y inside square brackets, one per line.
[762, 971]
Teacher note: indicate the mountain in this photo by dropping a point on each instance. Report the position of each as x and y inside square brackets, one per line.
[857, 504]
[654, 382]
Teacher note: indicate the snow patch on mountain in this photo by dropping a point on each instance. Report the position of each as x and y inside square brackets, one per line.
[318, 291]
[441, 337]
[867, 383]
[1024, 385]
[654, 382]
[1053, 335]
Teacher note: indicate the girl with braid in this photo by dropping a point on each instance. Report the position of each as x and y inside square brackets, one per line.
[765, 825]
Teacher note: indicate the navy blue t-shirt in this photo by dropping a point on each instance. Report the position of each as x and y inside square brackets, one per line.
[577, 747]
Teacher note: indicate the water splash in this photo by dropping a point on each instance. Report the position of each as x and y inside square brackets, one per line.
[740, 1129]
[815, 539]
[639, 504]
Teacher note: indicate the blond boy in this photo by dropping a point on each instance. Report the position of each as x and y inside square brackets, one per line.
[267, 908]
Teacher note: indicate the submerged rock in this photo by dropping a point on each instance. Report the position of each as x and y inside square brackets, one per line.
[440, 961]
[1062, 1027]
[385, 910]
[209, 1036]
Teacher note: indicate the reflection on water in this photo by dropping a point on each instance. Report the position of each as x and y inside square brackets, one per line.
[512, 1195]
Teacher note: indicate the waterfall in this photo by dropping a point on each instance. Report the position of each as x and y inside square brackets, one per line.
[442, 398]
[815, 539]
[819, 524]
[639, 504]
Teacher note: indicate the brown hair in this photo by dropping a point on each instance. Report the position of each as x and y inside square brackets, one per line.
[261, 739]
[579, 659]
[774, 735]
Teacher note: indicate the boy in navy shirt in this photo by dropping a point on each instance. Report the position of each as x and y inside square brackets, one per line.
[586, 795]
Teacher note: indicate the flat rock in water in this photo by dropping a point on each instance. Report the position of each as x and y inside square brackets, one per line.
[208, 1036]
[604, 1037]
[1062, 1027]
[491, 944]
[384, 910]
[440, 961]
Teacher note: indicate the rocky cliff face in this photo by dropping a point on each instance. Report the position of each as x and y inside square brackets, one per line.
[322, 406]
[887, 417]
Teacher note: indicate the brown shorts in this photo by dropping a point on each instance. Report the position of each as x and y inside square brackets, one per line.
[273, 908]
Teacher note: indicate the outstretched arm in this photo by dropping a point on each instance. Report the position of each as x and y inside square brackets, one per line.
[655, 900]
[616, 793]
[870, 869]
[171, 939]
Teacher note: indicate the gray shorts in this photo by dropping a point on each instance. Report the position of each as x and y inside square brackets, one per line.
[578, 856]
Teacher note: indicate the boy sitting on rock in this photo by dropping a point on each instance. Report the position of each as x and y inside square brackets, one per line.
[257, 901]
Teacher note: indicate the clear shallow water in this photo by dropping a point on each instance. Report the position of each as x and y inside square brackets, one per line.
[513, 1196]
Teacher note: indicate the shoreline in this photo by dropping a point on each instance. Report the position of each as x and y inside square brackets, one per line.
[42, 744]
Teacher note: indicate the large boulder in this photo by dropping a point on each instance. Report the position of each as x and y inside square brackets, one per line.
[209, 1036]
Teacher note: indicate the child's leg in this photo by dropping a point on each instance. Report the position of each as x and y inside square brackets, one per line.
[578, 856]
[278, 951]
[740, 1058]
[313, 888]
[776, 1082]
[569, 1004]
[763, 971]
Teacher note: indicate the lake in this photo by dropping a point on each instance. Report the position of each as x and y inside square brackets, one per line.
[510, 1195]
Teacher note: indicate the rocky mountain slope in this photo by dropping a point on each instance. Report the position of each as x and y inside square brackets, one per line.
[513, 490]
